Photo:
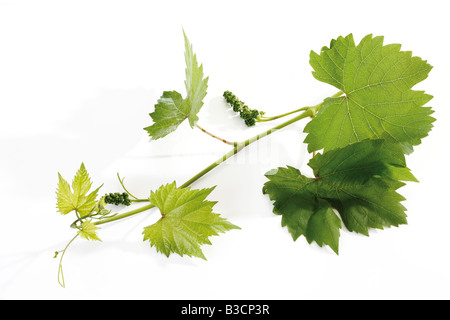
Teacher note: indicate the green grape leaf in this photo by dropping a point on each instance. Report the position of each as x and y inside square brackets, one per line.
[186, 222]
[172, 109]
[324, 226]
[196, 84]
[79, 200]
[88, 231]
[377, 101]
[359, 181]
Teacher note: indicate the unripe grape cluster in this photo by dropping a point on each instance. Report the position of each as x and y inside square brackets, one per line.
[117, 198]
[249, 115]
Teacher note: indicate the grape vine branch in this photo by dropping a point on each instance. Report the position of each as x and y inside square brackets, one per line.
[358, 139]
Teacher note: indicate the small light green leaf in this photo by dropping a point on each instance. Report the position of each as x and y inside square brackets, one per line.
[81, 183]
[88, 231]
[87, 203]
[64, 196]
[186, 222]
[78, 200]
[377, 101]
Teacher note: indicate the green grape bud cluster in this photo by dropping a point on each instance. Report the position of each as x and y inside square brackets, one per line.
[117, 198]
[249, 115]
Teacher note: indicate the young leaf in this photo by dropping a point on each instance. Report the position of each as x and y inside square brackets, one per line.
[88, 231]
[196, 85]
[171, 109]
[78, 200]
[186, 222]
[378, 101]
[359, 181]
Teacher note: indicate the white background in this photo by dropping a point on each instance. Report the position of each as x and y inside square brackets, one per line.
[77, 82]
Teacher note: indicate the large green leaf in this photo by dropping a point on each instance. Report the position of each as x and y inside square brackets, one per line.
[186, 222]
[377, 100]
[359, 181]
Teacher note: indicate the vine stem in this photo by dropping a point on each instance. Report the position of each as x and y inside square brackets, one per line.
[263, 118]
[316, 108]
[215, 137]
[238, 146]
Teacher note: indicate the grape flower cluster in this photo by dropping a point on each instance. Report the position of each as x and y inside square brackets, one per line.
[117, 198]
[249, 115]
